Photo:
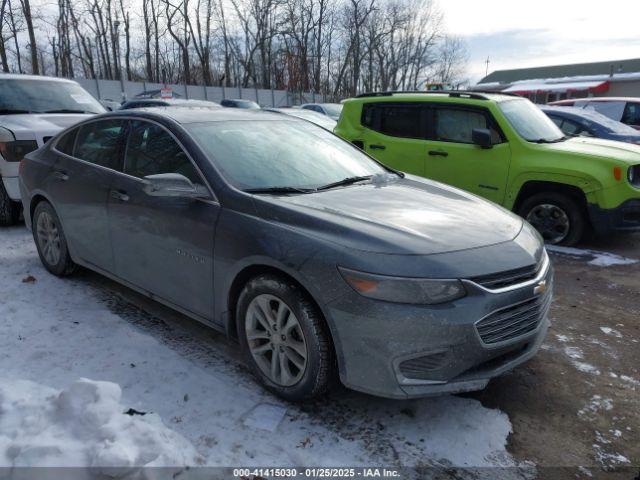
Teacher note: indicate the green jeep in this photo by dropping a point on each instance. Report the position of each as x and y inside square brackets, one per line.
[505, 149]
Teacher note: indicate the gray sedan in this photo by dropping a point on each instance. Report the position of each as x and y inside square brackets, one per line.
[320, 261]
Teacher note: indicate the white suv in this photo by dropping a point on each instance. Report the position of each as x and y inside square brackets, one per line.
[32, 110]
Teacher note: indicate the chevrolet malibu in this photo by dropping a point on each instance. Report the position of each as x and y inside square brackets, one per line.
[320, 261]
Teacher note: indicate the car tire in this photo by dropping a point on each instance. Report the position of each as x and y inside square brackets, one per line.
[559, 218]
[291, 353]
[51, 241]
[9, 210]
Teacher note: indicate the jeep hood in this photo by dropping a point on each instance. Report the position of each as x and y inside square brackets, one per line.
[597, 147]
[36, 125]
[405, 216]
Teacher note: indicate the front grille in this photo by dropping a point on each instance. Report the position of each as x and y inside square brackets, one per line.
[422, 367]
[508, 278]
[514, 321]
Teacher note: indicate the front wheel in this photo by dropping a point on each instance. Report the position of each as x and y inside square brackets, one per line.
[9, 210]
[284, 338]
[50, 241]
[559, 218]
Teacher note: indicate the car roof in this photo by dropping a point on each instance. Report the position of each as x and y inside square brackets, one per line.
[186, 115]
[597, 99]
[21, 76]
[453, 96]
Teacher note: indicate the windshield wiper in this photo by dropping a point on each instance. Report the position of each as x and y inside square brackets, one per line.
[556, 140]
[9, 111]
[345, 181]
[280, 190]
[66, 110]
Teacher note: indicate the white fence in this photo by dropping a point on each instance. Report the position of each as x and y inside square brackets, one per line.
[113, 90]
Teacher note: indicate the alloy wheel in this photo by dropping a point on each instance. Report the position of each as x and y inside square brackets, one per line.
[48, 238]
[276, 340]
[551, 221]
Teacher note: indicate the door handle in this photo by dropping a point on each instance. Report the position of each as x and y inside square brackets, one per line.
[377, 147]
[119, 195]
[438, 153]
[60, 175]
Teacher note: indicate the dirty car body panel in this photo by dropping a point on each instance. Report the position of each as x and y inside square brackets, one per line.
[194, 253]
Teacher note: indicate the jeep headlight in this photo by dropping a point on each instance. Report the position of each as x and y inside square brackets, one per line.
[417, 291]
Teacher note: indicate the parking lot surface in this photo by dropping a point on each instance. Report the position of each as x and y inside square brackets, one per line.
[571, 412]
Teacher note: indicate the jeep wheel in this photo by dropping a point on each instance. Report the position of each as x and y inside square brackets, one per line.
[284, 338]
[50, 241]
[9, 210]
[559, 218]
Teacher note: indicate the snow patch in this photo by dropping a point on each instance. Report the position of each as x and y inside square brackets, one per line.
[596, 404]
[573, 352]
[611, 331]
[599, 259]
[563, 338]
[265, 417]
[585, 367]
[82, 425]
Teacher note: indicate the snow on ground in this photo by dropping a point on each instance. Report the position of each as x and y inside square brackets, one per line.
[54, 332]
[598, 258]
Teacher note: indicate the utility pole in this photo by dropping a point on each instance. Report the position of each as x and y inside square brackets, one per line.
[116, 25]
[486, 72]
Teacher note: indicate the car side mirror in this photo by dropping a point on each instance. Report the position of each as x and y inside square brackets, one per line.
[481, 137]
[172, 185]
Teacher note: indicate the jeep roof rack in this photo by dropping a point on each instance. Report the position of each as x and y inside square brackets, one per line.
[451, 93]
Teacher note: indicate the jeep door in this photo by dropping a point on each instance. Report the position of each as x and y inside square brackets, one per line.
[396, 134]
[87, 160]
[452, 157]
[163, 245]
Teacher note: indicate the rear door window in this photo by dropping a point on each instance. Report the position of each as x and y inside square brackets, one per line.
[152, 150]
[101, 143]
[457, 124]
[395, 120]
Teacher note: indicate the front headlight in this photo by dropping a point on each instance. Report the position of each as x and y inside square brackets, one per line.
[16, 150]
[417, 291]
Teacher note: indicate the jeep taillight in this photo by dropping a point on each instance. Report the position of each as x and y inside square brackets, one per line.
[16, 150]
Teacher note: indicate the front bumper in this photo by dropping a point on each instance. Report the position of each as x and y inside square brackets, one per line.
[12, 187]
[625, 218]
[405, 351]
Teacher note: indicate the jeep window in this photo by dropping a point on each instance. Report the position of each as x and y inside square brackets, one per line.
[45, 96]
[530, 122]
[395, 120]
[253, 155]
[99, 143]
[456, 125]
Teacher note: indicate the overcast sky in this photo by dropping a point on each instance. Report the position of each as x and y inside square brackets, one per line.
[519, 34]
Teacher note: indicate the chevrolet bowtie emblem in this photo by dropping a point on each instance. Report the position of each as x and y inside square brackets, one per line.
[540, 288]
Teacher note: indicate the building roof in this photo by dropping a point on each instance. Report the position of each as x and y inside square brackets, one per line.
[560, 71]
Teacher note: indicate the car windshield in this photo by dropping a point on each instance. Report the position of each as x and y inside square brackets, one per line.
[333, 109]
[280, 154]
[530, 122]
[608, 123]
[45, 96]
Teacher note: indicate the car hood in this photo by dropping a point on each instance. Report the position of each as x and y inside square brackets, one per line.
[25, 126]
[405, 216]
[597, 147]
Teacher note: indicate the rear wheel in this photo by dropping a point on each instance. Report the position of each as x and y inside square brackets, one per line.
[284, 339]
[559, 218]
[50, 241]
[9, 210]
